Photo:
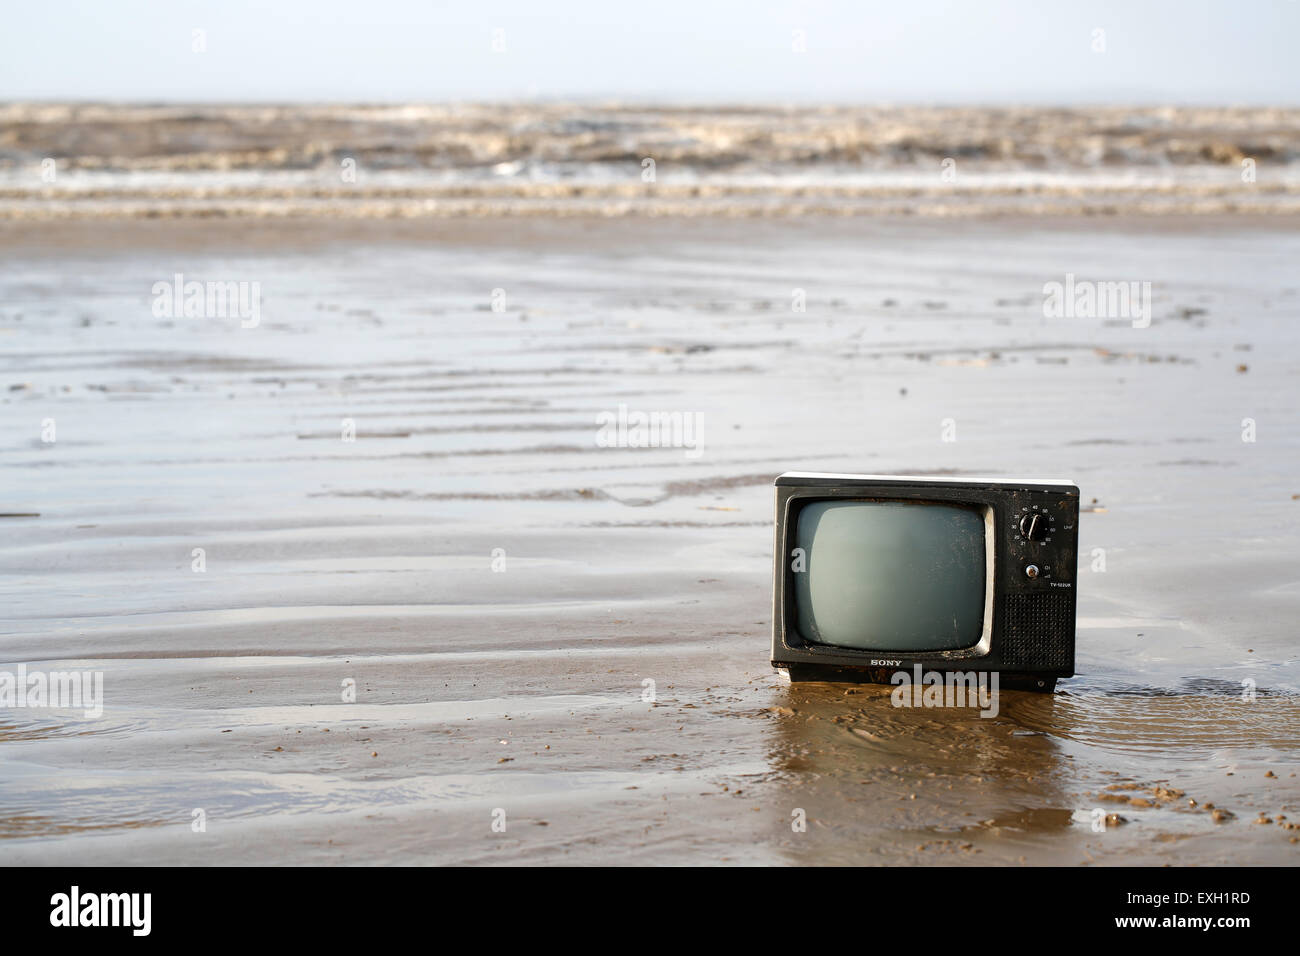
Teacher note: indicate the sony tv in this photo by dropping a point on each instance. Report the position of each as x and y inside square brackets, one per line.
[875, 574]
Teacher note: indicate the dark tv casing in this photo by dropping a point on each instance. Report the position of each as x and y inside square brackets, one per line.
[1028, 635]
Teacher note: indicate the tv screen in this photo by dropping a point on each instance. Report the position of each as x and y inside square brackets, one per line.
[890, 575]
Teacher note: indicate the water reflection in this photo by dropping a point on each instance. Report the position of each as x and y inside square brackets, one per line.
[880, 783]
[877, 780]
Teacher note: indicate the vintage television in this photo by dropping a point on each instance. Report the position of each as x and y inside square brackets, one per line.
[875, 574]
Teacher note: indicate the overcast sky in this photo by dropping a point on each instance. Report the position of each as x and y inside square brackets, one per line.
[998, 51]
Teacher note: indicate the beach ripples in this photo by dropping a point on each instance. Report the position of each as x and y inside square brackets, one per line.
[1193, 723]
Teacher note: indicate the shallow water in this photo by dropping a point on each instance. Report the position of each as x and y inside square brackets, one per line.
[521, 690]
[98, 160]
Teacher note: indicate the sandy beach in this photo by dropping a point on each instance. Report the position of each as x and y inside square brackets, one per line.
[496, 588]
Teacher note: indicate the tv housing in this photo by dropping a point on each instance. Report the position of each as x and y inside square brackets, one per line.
[876, 574]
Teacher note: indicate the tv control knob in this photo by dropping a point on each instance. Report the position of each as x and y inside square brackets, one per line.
[1031, 571]
[1034, 526]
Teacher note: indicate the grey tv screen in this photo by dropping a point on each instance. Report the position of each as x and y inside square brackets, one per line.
[891, 575]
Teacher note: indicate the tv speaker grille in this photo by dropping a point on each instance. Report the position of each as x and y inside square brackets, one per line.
[1039, 631]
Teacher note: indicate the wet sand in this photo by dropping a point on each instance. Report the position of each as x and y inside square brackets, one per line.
[521, 689]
